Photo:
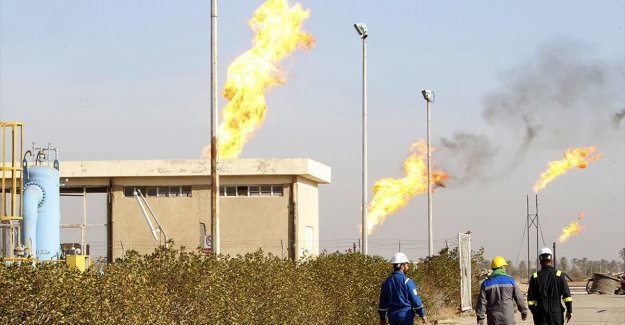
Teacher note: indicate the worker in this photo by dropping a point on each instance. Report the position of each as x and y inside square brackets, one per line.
[398, 296]
[547, 287]
[496, 295]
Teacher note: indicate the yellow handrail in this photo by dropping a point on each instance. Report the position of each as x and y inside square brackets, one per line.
[15, 170]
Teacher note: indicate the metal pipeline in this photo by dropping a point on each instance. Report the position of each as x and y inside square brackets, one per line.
[42, 215]
[33, 195]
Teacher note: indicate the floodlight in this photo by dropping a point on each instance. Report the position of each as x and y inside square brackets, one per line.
[361, 28]
[428, 95]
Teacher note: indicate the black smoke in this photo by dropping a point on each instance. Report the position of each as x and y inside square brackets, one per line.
[467, 157]
[618, 117]
[562, 97]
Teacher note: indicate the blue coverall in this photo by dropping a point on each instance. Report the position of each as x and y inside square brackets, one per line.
[398, 297]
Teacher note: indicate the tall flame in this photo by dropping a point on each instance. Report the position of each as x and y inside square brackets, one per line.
[391, 194]
[572, 229]
[577, 157]
[278, 33]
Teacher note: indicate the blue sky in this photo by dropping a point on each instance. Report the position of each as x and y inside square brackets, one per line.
[131, 80]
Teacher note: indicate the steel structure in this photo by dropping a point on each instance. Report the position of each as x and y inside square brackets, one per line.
[532, 221]
[12, 183]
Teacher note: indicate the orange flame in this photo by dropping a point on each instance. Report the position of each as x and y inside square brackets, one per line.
[578, 157]
[572, 229]
[278, 33]
[391, 194]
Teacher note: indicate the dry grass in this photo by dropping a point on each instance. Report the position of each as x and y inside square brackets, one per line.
[449, 315]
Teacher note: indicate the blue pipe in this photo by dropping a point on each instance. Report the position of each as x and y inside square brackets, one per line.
[41, 193]
[32, 196]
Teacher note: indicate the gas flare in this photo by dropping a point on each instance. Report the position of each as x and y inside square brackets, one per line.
[391, 194]
[577, 157]
[278, 33]
[572, 229]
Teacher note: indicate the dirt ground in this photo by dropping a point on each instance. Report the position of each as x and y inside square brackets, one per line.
[587, 309]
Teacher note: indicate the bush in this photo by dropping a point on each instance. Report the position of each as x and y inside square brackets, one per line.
[439, 279]
[174, 286]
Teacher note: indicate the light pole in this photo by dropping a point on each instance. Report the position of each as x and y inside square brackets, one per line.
[215, 236]
[361, 28]
[428, 95]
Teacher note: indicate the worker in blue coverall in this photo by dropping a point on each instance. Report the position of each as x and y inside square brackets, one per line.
[398, 296]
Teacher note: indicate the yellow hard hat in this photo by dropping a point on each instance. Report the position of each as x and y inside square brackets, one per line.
[498, 262]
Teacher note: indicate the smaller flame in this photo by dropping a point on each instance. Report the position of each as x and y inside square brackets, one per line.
[578, 157]
[572, 229]
[392, 194]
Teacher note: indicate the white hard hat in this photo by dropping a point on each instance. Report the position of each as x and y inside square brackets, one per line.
[545, 251]
[399, 258]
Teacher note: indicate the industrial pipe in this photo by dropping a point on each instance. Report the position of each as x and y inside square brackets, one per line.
[33, 195]
[42, 214]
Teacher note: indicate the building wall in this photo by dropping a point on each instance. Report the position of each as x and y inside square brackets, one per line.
[248, 223]
[286, 226]
[307, 217]
[180, 217]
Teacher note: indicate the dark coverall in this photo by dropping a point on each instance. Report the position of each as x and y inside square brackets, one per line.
[398, 297]
[546, 289]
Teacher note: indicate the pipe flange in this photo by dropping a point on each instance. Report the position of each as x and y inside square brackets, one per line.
[43, 192]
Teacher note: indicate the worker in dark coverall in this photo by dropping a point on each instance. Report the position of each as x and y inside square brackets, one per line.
[496, 295]
[398, 296]
[547, 288]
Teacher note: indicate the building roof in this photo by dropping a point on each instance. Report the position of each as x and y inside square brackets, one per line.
[303, 167]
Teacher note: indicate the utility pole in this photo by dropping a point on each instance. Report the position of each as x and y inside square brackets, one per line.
[361, 28]
[215, 240]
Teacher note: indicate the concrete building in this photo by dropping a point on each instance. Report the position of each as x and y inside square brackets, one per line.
[271, 204]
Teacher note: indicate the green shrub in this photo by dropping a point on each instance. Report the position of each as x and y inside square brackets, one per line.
[438, 279]
[175, 286]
